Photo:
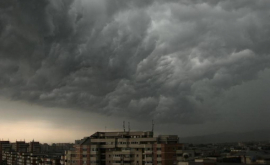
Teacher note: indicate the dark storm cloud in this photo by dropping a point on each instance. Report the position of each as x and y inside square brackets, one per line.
[167, 60]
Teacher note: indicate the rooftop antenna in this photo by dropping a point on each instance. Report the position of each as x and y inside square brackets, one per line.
[153, 126]
[105, 128]
[124, 126]
[128, 127]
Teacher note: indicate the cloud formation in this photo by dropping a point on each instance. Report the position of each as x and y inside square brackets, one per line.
[157, 59]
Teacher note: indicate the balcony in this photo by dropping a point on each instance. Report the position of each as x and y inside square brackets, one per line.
[94, 163]
[179, 151]
[148, 145]
[121, 163]
[107, 146]
[180, 158]
[117, 158]
[124, 152]
[136, 145]
[127, 159]
[94, 158]
[148, 152]
[117, 164]
[148, 159]
[94, 152]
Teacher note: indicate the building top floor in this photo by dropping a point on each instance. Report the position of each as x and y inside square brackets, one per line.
[4, 142]
[123, 134]
[127, 138]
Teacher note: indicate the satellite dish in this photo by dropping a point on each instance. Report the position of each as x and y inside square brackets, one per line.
[186, 155]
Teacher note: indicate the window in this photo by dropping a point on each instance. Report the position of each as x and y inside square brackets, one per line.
[94, 149]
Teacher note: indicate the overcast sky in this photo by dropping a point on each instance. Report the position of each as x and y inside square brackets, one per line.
[69, 68]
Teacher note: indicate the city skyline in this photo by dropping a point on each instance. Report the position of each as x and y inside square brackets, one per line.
[128, 147]
[71, 67]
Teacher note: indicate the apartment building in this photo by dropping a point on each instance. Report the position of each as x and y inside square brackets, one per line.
[32, 153]
[124, 148]
[17, 158]
[4, 146]
[19, 146]
[22, 158]
[10, 157]
[34, 147]
[49, 161]
[17, 153]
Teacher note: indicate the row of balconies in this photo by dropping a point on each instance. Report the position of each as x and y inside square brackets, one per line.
[125, 159]
[131, 163]
[21, 162]
[121, 163]
[148, 152]
[125, 145]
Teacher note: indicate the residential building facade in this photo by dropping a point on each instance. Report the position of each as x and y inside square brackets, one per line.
[124, 148]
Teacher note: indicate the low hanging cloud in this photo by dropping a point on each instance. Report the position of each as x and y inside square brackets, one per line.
[148, 59]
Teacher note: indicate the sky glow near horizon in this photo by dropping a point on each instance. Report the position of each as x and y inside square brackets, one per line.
[78, 66]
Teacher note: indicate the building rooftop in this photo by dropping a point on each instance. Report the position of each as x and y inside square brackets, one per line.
[139, 134]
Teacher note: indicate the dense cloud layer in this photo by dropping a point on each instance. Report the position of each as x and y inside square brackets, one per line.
[166, 60]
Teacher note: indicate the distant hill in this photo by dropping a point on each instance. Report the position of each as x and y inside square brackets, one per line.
[259, 135]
